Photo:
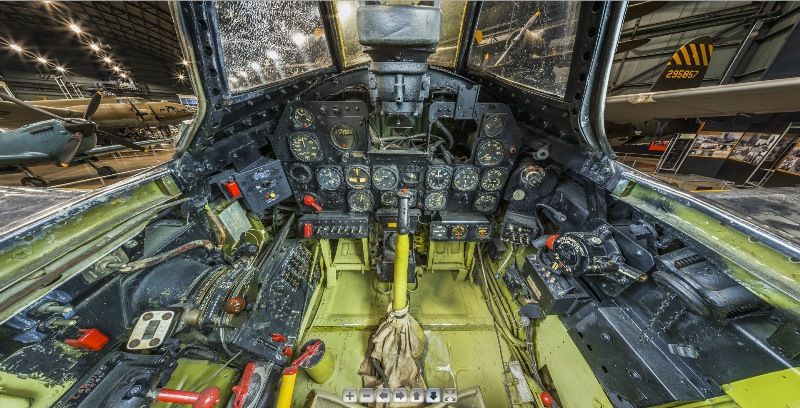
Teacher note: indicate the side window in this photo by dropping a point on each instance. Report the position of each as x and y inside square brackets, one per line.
[267, 41]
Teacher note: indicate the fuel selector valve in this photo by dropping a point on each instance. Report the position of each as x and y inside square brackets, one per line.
[312, 202]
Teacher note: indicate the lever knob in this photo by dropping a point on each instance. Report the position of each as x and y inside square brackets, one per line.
[310, 201]
[207, 398]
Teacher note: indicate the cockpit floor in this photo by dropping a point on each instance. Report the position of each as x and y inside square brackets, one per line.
[463, 346]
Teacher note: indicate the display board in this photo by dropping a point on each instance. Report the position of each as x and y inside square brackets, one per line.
[791, 163]
[753, 147]
[714, 144]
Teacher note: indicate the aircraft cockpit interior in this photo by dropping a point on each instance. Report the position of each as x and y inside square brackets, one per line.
[397, 204]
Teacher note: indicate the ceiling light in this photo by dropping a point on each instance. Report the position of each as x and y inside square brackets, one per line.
[115, 68]
[181, 77]
[15, 47]
[74, 27]
[41, 60]
[59, 68]
[94, 47]
[123, 75]
[185, 62]
[107, 60]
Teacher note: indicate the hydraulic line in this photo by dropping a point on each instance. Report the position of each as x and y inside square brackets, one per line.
[155, 260]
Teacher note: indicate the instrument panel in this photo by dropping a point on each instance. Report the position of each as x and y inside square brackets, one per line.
[326, 151]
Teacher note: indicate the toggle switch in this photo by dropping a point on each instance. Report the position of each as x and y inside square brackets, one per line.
[310, 201]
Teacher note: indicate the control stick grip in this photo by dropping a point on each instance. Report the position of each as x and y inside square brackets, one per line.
[207, 398]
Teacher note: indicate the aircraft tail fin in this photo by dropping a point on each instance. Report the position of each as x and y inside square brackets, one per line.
[687, 67]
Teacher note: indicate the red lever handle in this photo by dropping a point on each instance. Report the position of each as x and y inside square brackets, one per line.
[207, 398]
[310, 201]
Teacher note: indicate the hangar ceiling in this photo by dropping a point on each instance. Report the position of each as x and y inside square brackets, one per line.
[139, 37]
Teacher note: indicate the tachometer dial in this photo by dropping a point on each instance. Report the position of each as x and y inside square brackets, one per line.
[359, 201]
[435, 201]
[531, 176]
[357, 177]
[389, 198]
[493, 179]
[329, 177]
[304, 147]
[384, 178]
[490, 152]
[438, 177]
[300, 173]
[494, 124]
[343, 136]
[465, 179]
[485, 203]
[302, 118]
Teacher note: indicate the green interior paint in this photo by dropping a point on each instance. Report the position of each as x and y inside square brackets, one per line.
[56, 254]
[16, 391]
[761, 269]
[196, 375]
[576, 384]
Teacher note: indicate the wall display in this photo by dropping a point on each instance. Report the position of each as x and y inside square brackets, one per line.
[791, 163]
[787, 140]
[714, 144]
[752, 147]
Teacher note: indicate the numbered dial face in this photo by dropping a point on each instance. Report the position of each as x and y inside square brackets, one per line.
[494, 124]
[493, 179]
[438, 177]
[359, 201]
[435, 201]
[343, 136]
[300, 173]
[329, 177]
[302, 118]
[490, 152]
[389, 198]
[357, 177]
[305, 147]
[531, 176]
[486, 203]
[411, 177]
[384, 178]
[465, 179]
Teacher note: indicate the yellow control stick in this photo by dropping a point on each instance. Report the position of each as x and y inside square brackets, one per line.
[286, 390]
[401, 253]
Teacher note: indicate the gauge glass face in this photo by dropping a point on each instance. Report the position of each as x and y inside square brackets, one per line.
[486, 203]
[300, 173]
[384, 178]
[493, 179]
[435, 201]
[343, 136]
[329, 177]
[438, 178]
[494, 124]
[302, 118]
[411, 177]
[389, 198]
[531, 176]
[490, 152]
[357, 177]
[465, 179]
[304, 147]
[359, 201]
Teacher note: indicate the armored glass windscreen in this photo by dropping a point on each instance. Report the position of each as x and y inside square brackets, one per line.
[528, 43]
[265, 42]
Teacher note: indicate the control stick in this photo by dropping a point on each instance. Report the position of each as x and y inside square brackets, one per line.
[401, 251]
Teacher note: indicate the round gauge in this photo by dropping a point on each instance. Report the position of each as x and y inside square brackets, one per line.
[465, 179]
[411, 177]
[494, 124]
[357, 177]
[435, 201]
[359, 201]
[459, 231]
[493, 179]
[438, 177]
[389, 198]
[490, 152]
[486, 203]
[384, 178]
[412, 201]
[300, 173]
[304, 147]
[302, 118]
[329, 177]
[531, 176]
[343, 136]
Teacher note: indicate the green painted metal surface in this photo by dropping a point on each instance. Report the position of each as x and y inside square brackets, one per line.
[196, 375]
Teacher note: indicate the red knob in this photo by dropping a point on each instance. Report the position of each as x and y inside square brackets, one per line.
[308, 230]
[207, 398]
[235, 305]
[278, 338]
[547, 400]
[310, 201]
[550, 241]
[287, 351]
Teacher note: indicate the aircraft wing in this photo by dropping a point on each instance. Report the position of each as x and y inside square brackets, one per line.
[113, 148]
[773, 96]
[29, 157]
[13, 116]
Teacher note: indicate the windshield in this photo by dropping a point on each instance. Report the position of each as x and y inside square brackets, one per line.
[449, 37]
[265, 42]
[528, 43]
